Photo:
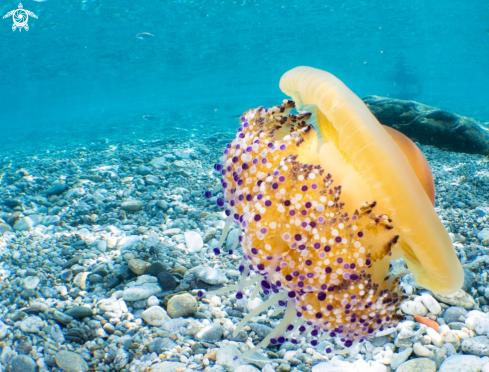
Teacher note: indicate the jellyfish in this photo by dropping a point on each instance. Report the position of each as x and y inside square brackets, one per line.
[325, 198]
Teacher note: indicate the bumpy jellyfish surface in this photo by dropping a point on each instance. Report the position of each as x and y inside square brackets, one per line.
[321, 218]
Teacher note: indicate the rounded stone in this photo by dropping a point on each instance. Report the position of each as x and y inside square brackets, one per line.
[417, 365]
[70, 362]
[461, 363]
[210, 333]
[23, 363]
[152, 301]
[79, 312]
[156, 268]
[155, 316]
[183, 305]
[193, 241]
[478, 345]
[138, 267]
[453, 313]
[31, 282]
[132, 205]
[167, 281]
[32, 324]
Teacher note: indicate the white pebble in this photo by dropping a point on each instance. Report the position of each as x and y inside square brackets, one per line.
[431, 304]
[414, 308]
[422, 351]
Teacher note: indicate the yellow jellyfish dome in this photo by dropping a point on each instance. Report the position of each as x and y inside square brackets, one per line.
[321, 218]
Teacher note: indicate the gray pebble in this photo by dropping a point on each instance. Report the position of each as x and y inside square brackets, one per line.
[70, 362]
[23, 363]
[478, 345]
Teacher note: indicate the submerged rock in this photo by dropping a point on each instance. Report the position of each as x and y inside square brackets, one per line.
[430, 125]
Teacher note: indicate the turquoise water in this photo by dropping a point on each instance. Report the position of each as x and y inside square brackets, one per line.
[80, 72]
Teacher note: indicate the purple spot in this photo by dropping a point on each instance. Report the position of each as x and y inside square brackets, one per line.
[265, 284]
[273, 341]
[292, 212]
[329, 307]
[308, 262]
[303, 224]
[217, 251]
[319, 315]
[275, 185]
[360, 234]
[321, 296]
[314, 186]
[337, 239]
[308, 205]
[302, 247]
[281, 179]
[317, 245]
[281, 339]
[288, 277]
[368, 262]
[254, 251]
[295, 273]
[301, 284]
[297, 237]
[282, 147]
[260, 267]
[208, 194]
[259, 197]
[257, 217]
[200, 293]
[270, 145]
[249, 197]
[310, 275]
[245, 166]
[291, 294]
[304, 188]
[255, 161]
[287, 203]
[264, 160]
[346, 266]
[352, 266]
[328, 270]
[339, 260]
[235, 159]
[327, 248]
[220, 202]
[313, 225]
[303, 212]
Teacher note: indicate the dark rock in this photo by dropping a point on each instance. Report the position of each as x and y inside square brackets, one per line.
[95, 278]
[156, 268]
[57, 189]
[12, 203]
[114, 282]
[469, 279]
[430, 125]
[125, 273]
[76, 335]
[234, 312]
[79, 312]
[167, 281]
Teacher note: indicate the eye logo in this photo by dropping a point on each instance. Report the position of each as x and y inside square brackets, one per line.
[20, 17]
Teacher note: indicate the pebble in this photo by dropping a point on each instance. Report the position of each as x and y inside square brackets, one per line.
[141, 292]
[477, 321]
[459, 298]
[22, 363]
[211, 333]
[183, 305]
[476, 346]
[167, 281]
[461, 363]
[155, 316]
[79, 312]
[431, 304]
[31, 282]
[132, 205]
[70, 362]
[32, 324]
[453, 313]
[417, 365]
[210, 275]
[483, 234]
[3, 330]
[160, 344]
[226, 357]
[138, 267]
[414, 308]
[399, 358]
[193, 241]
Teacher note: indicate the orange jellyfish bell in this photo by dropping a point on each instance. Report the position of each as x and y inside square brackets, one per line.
[321, 218]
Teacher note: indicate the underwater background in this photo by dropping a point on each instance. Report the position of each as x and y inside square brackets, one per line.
[127, 224]
[81, 72]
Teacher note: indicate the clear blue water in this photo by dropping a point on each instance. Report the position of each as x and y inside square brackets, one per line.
[80, 73]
